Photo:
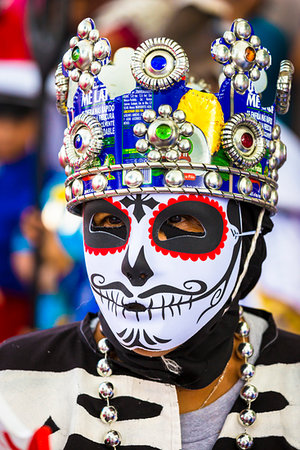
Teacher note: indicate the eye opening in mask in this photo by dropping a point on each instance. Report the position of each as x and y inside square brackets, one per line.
[181, 225]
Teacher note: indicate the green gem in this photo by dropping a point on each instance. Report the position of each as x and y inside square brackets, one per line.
[163, 131]
[75, 54]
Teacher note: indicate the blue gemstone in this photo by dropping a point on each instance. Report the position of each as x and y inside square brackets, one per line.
[158, 62]
[78, 141]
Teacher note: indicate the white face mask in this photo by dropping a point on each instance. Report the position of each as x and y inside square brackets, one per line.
[157, 285]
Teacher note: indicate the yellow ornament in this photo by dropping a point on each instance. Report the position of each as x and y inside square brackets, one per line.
[204, 111]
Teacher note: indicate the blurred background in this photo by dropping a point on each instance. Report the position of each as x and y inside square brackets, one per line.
[42, 274]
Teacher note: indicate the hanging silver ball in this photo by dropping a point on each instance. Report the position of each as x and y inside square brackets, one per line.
[165, 110]
[272, 147]
[95, 67]
[77, 187]
[112, 438]
[67, 60]
[172, 155]
[249, 393]
[242, 29]
[187, 129]
[242, 329]
[244, 441]
[276, 132]
[245, 350]
[141, 145]
[280, 153]
[273, 162]
[213, 180]
[68, 170]
[179, 116]
[240, 82]
[103, 345]
[154, 156]
[221, 53]
[245, 185]
[109, 414]
[184, 145]
[86, 81]
[174, 178]
[62, 156]
[274, 198]
[229, 70]
[255, 41]
[265, 192]
[101, 49]
[68, 193]
[139, 129]
[84, 28]
[103, 368]
[106, 390]
[263, 58]
[247, 417]
[149, 115]
[94, 35]
[99, 182]
[75, 75]
[134, 178]
[229, 37]
[274, 174]
[254, 73]
[247, 371]
[74, 41]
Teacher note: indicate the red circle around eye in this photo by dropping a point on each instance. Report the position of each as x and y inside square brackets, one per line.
[104, 251]
[247, 140]
[191, 256]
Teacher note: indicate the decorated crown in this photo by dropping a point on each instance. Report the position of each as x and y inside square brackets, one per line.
[147, 131]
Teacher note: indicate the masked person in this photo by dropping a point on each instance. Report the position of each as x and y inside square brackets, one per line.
[176, 188]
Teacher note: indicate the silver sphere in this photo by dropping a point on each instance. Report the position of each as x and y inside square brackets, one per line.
[67, 60]
[254, 73]
[84, 28]
[274, 198]
[245, 350]
[134, 178]
[141, 145]
[274, 174]
[94, 35]
[154, 156]
[245, 186]
[149, 115]
[112, 438]
[280, 153]
[272, 163]
[75, 75]
[247, 371]
[229, 37]
[249, 393]
[108, 414]
[165, 110]
[247, 417]
[68, 193]
[95, 67]
[106, 390]
[172, 155]
[99, 182]
[240, 82]
[213, 180]
[62, 156]
[74, 41]
[276, 132]
[263, 58]
[229, 70]
[179, 116]
[187, 129]
[174, 178]
[265, 192]
[242, 329]
[255, 41]
[86, 81]
[242, 29]
[221, 53]
[68, 170]
[77, 187]
[244, 441]
[101, 49]
[139, 129]
[272, 147]
[184, 145]
[103, 368]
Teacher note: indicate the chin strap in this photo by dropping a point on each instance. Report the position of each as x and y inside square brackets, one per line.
[251, 251]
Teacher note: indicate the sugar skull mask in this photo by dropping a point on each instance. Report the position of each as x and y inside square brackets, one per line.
[161, 266]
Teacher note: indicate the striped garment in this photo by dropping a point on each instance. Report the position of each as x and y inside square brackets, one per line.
[50, 377]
